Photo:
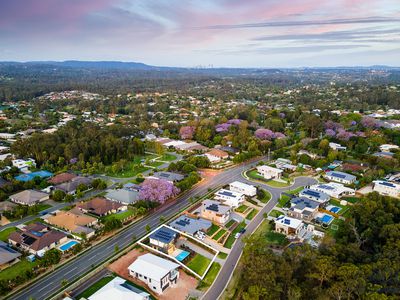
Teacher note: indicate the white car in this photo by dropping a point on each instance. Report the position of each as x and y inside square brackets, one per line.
[237, 235]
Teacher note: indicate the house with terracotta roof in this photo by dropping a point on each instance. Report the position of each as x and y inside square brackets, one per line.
[29, 197]
[216, 155]
[61, 178]
[73, 221]
[101, 206]
[37, 237]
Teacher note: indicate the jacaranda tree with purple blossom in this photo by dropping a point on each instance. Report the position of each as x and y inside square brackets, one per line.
[369, 122]
[158, 190]
[268, 134]
[186, 132]
[224, 127]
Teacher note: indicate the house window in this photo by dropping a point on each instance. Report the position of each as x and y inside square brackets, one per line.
[149, 279]
[145, 277]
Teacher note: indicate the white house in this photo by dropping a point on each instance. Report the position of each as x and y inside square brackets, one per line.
[216, 155]
[333, 189]
[243, 188]
[269, 172]
[341, 177]
[288, 225]
[158, 273]
[386, 188]
[320, 197]
[337, 147]
[24, 164]
[118, 288]
[7, 136]
[231, 198]
[388, 147]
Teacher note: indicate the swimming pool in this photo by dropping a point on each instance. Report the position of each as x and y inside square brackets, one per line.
[182, 255]
[335, 209]
[68, 245]
[326, 219]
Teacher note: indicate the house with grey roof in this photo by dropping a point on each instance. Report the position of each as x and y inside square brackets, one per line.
[8, 256]
[303, 208]
[190, 225]
[341, 177]
[215, 211]
[29, 197]
[169, 176]
[124, 196]
[318, 196]
[71, 186]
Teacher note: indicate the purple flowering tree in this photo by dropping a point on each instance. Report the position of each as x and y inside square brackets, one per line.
[158, 190]
[224, 127]
[369, 122]
[186, 132]
[279, 135]
[344, 135]
[330, 132]
[264, 134]
[234, 121]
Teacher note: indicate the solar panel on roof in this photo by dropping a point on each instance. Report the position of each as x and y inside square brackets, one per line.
[287, 221]
[338, 175]
[213, 207]
[387, 184]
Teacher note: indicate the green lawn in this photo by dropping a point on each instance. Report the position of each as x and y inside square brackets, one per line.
[210, 277]
[275, 213]
[120, 216]
[155, 164]
[42, 206]
[17, 269]
[277, 184]
[251, 214]
[199, 264]
[222, 255]
[241, 208]
[167, 157]
[351, 199]
[272, 237]
[253, 174]
[231, 239]
[6, 232]
[95, 287]
[132, 168]
[230, 223]
[266, 198]
[219, 234]
[213, 229]
[283, 200]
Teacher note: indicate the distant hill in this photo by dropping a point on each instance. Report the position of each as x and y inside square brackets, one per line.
[97, 64]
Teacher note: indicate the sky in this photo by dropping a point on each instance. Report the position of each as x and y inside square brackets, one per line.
[193, 33]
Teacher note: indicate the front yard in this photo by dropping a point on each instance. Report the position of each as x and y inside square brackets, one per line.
[6, 232]
[272, 237]
[231, 239]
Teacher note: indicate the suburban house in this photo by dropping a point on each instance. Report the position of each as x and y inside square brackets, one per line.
[163, 239]
[101, 206]
[243, 188]
[333, 189]
[73, 221]
[158, 273]
[29, 197]
[269, 172]
[303, 208]
[288, 225]
[215, 211]
[388, 147]
[124, 196]
[36, 238]
[216, 155]
[24, 164]
[169, 176]
[8, 256]
[337, 147]
[70, 187]
[386, 188]
[285, 164]
[320, 197]
[119, 288]
[386, 154]
[231, 198]
[341, 177]
[190, 225]
[61, 178]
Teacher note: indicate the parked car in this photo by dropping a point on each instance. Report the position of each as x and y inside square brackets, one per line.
[243, 230]
[237, 235]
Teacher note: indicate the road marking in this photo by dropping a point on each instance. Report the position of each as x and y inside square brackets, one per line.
[71, 270]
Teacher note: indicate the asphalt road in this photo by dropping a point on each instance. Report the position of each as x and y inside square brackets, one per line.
[215, 291]
[51, 283]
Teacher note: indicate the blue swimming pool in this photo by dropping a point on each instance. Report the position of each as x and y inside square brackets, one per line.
[68, 245]
[181, 256]
[335, 209]
[326, 219]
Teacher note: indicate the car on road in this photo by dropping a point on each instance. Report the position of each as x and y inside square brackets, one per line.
[237, 235]
[243, 230]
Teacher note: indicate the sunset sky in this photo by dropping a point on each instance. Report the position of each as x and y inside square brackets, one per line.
[231, 33]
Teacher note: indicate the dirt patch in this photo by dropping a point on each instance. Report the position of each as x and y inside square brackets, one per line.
[184, 286]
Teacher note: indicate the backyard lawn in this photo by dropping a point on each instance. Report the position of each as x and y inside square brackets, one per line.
[131, 170]
[230, 223]
[95, 287]
[231, 239]
[275, 213]
[241, 208]
[251, 214]
[167, 157]
[6, 232]
[120, 216]
[219, 234]
[17, 269]
[211, 275]
[213, 229]
[199, 264]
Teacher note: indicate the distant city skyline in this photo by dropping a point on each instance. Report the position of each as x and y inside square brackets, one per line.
[222, 33]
